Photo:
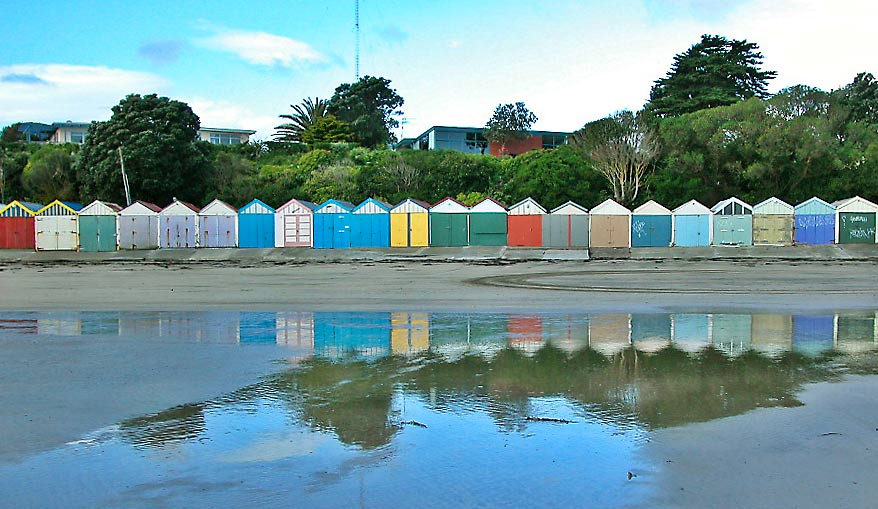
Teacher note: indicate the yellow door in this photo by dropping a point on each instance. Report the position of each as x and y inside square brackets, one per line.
[399, 230]
[420, 229]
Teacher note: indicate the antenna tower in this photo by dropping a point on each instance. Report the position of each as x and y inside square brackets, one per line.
[357, 35]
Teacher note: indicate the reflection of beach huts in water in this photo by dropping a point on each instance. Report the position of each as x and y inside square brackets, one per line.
[568, 332]
[651, 225]
[855, 221]
[370, 224]
[525, 332]
[814, 222]
[732, 223]
[487, 223]
[293, 223]
[610, 225]
[295, 329]
[341, 334]
[813, 335]
[218, 225]
[99, 323]
[332, 225]
[609, 334]
[59, 324]
[410, 224]
[772, 335]
[690, 332]
[454, 335]
[773, 223]
[256, 225]
[140, 324]
[55, 226]
[693, 225]
[525, 223]
[257, 327]
[731, 333]
[17, 225]
[179, 225]
[449, 224]
[566, 226]
[409, 333]
[99, 227]
[856, 332]
[139, 226]
[651, 332]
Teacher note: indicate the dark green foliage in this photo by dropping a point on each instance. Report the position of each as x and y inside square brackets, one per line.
[552, 177]
[327, 129]
[162, 158]
[369, 107]
[49, 174]
[714, 72]
[860, 99]
[10, 134]
[13, 159]
[303, 117]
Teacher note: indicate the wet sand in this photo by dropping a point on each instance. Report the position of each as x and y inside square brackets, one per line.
[52, 392]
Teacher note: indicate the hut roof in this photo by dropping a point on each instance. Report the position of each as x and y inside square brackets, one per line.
[218, 208]
[449, 204]
[20, 209]
[773, 206]
[295, 205]
[372, 206]
[652, 208]
[610, 208]
[855, 204]
[728, 201]
[527, 206]
[256, 206]
[570, 207]
[692, 208]
[179, 207]
[100, 208]
[335, 204]
[411, 205]
[488, 205]
[60, 208]
[814, 206]
[141, 207]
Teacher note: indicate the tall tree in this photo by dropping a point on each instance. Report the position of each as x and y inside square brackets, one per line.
[327, 129]
[304, 116]
[622, 147]
[860, 98]
[369, 106]
[509, 122]
[162, 158]
[49, 174]
[714, 72]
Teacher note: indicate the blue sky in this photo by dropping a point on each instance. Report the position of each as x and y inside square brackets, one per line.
[241, 64]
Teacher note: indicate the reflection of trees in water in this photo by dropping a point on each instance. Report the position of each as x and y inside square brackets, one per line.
[354, 399]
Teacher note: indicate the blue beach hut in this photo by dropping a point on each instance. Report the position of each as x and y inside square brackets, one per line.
[345, 334]
[256, 225]
[651, 225]
[332, 225]
[814, 222]
[370, 224]
[732, 223]
[692, 225]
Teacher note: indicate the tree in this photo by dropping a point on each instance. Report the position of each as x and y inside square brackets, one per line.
[508, 123]
[714, 72]
[860, 98]
[622, 147]
[162, 158]
[11, 133]
[327, 129]
[304, 116]
[369, 107]
[49, 174]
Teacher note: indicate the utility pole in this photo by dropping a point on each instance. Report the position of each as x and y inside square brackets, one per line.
[357, 39]
[124, 178]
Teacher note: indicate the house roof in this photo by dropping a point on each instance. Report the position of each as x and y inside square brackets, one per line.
[226, 130]
[480, 129]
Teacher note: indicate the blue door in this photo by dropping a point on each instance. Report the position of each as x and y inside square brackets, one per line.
[323, 231]
[815, 228]
[341, 231]
[692, 230]
[256, 230]
[650, 231]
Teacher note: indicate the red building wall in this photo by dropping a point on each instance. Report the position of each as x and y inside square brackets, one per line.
[516, 147]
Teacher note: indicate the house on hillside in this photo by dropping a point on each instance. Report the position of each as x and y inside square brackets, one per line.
[471, 141]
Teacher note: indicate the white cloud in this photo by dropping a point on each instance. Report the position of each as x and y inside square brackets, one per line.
[58, 92]
[261, 48]
[235, 115]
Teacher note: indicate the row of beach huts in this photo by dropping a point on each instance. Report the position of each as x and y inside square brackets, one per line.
[335, 224]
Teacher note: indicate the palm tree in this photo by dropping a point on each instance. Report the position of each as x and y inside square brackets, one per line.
[303, 117]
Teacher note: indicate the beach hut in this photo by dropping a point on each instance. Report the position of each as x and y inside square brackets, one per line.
[139, 226]
[55, 226]
[487, 223]
[409, 333]
[731, 333]
[651, 332]
[651, 225]
[347, 334]
[332, 225]
[99, 227]
[256, 225]
[690, 332]
[525, 223]
[293, 224]
[856, 332]
[449, 223]
[732, 223]
[772, 335]
[566, 226]
[609, 334]
[814, 222]
[218, 225]
[410, 224]
[17, 225]
[610, 225]
[370, 224]
[692, 225]
[178, 225]
[813, 335]
[773, 222]
[855, 221]
[525, 332]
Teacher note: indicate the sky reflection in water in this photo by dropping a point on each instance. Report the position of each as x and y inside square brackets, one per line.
[432, 409]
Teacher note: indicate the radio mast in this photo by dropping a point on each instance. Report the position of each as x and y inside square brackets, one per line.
[357, 38]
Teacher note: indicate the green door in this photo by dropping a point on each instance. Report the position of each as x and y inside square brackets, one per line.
[97, 233]
[856, 228]
[487, 229]
[448, 230]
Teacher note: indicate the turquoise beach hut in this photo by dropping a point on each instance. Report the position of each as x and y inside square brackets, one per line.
[256, 225]
[732, 223]
[370, 224]
[332, 225]
[651, 225]
[693, 225]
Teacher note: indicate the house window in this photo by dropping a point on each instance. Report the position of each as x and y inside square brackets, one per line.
[77, 137]
[476, 142]
[225, 139]
[553, 141]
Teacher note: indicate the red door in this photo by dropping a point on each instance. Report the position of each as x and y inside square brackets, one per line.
[525, 230]
[17, 233]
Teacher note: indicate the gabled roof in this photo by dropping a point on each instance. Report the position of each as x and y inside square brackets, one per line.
[773, 206]
[335, 204]
[100, 208]
[570, 208]
[372, 206]
[218, 208]
[411, 205]
[855, 204]
[256, 206]
[179, 204]
[60, 208]
[814, 204]
[140, 207]
[449, 204]
[692, 208]
[721, 205]
[610, 208]
[652, 208]
[296, 204]
[488, 205]
[20, 209]
[525, 207]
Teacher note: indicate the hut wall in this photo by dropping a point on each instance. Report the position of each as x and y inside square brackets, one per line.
[449, 229]
[650, 230]
[217, 231]
[255, 230]
[370, 230]
[610, 231]
[565, 230]
[692, 230]
[409, 229]
[179, 231]
[733, 230]
[138, 232]
[815, 228]
[98, 233]
[487, 229]
[17, 233]
[773, 229]
[856, 227]
[525, 230]
[56, 233]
